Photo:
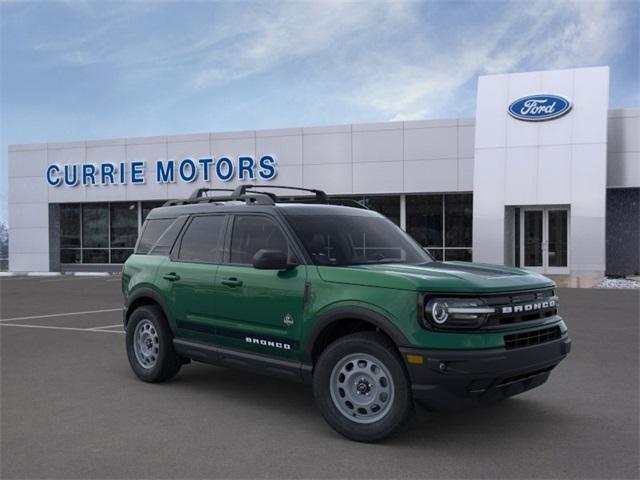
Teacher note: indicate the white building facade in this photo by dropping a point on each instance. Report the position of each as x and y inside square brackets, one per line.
[545, 177]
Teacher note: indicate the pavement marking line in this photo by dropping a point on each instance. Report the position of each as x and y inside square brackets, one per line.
[48, 327]
[88, 312]
[72, 278]
[107, 326]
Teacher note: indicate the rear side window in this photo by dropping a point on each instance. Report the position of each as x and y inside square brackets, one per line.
[252, 233]
[168, 238]
[151, 232]
[203, 240]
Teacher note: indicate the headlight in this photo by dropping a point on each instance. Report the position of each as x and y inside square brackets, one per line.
[456, 312]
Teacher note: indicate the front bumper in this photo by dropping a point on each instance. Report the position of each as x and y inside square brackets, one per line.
[454, 379]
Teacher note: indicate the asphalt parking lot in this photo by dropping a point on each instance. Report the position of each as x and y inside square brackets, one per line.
[71, 407]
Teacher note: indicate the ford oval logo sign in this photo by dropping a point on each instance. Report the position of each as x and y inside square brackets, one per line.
[536, 108]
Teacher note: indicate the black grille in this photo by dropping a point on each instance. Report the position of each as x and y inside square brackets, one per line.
[535, 337]
[514, 300]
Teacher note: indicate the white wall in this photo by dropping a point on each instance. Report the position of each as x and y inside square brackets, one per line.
[392, 157]
[561, 161]
[623, 148]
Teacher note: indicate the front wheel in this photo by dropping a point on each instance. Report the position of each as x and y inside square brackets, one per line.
[361, 387]
[150, 345]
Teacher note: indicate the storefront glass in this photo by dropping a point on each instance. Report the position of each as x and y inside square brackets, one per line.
[442, 223]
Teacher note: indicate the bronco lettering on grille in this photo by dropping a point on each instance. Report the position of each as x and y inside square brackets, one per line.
[529, 307]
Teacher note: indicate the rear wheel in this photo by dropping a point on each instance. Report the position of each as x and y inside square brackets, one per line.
[361, 387]
[150, 345]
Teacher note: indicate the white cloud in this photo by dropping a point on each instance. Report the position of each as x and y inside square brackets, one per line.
[539, 35]
[390, 57]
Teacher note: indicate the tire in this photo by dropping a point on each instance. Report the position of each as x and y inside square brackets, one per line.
[361, 387]
[152, 357]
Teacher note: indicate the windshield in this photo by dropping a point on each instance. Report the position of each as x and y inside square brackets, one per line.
[342, 240]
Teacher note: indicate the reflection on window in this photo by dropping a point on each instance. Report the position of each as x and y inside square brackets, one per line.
[387, 205]
[98, 232]
[70, 226]
[95, 225]
[252, 233]
[425, 219]
[124, 225]
[442, 223]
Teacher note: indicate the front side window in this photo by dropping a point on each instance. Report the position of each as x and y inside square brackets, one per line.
[203, 240]
[252, 233]
[343, 240]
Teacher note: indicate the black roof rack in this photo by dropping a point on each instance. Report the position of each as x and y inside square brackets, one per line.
[241, 194]
[321, 196]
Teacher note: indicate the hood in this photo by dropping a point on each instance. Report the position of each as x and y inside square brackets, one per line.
[459, 277]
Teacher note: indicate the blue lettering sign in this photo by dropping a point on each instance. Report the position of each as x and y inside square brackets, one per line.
[267, 168]
[51, 180]
[165, 174]
[187, 170]
[137, 173]
[224, 169]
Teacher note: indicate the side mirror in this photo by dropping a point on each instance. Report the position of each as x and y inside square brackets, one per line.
[271, 260]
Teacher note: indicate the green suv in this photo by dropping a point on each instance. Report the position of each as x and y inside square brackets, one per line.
[337, 296]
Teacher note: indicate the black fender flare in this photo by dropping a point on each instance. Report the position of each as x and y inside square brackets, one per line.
[146, 292]
[352, 313]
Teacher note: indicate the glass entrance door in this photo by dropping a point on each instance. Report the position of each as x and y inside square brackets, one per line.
[544, 239]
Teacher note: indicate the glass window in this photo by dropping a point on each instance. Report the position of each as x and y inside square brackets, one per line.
[148, 206]
[203, 240]
[164, 244]
[458, 214]
[387, 205]
[461, 254]
[95, 225]
[120, 255]
[438, 253]
[69, 226]
[425, 219]
[95, 256]
[151, 233]
[70, 255]
[340, 240]
[124, 225]
[252, 233]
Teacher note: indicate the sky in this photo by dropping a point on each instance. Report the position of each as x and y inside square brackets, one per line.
[78, 70]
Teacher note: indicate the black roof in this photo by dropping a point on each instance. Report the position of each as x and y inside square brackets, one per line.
[253, 198]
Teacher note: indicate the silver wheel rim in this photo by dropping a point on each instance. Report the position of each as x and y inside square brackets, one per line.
[362, 388]
[146, 343]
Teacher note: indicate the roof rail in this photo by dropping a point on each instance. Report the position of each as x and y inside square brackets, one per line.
[321, 196]
[247, 194]
[199, 193]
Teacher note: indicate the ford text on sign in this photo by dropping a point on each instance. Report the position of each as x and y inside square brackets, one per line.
[536, 108]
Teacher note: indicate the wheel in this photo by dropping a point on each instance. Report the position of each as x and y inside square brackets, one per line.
[361, 387]
[150, 346]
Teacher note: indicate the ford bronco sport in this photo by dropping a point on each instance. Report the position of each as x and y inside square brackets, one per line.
[337, 296]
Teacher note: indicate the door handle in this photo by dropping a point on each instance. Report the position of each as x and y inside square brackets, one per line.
[232, 282]
[172, 276]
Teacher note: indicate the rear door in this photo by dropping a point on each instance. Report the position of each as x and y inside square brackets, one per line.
[259, 310]
[188, 276]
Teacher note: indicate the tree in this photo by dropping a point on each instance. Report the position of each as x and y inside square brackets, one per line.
[4, 241]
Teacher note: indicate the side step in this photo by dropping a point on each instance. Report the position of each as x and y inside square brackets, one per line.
[227, 357]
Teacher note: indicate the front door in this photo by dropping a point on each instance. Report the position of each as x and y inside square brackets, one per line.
[544, 239]
[259, 310]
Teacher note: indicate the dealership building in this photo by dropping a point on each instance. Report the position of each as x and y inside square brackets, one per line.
[545, 177]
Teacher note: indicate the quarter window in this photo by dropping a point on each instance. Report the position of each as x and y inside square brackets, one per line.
[151, 233]
[203, 240]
